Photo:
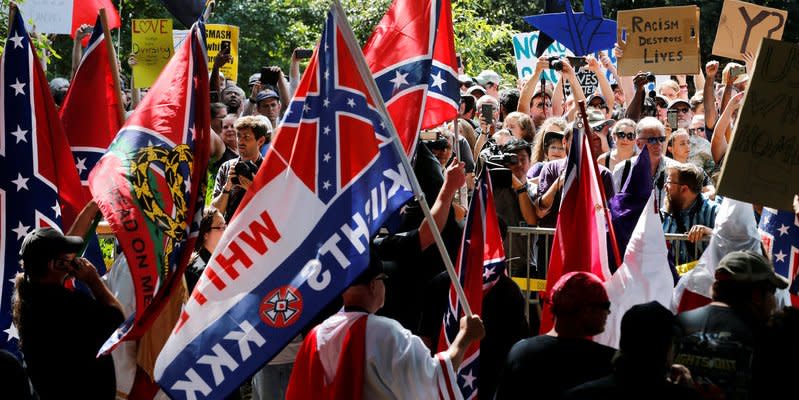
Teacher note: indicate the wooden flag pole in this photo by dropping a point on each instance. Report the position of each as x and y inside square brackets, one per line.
[114, 61]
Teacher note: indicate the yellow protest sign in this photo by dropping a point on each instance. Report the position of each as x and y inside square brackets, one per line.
[762, 162]
[664, 41]
[743, 25]
[151, 43]
[219, 36]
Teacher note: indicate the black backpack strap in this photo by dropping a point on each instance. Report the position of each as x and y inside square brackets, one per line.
[626, 172]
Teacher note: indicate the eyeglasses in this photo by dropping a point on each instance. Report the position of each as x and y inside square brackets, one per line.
[600, 127]
[682, 110]
[693, 131]
[543, 105]
[626, 135]
[654, 139]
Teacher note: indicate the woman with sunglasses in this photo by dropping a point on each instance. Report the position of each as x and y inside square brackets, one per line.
[624, 134]
[212, 225]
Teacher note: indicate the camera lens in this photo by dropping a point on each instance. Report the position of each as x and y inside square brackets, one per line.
[650, 77]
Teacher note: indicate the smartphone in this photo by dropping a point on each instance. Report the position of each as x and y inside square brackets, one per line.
[671, 118]
[303, 53]
[460, 62]
[487, 111]
[224, 47]
[736, 71]
[269, 77]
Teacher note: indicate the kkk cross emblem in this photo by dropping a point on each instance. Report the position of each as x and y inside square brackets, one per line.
[281, 307]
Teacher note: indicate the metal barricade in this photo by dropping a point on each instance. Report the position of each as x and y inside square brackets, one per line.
[529, 285]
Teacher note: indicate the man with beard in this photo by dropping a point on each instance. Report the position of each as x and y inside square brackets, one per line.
[686, 210]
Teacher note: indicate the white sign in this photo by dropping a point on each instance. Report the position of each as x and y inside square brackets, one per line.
[47, 16]
[524, 45]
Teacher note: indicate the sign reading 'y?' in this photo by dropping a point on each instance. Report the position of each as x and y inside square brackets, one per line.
[763, 158]
[743, 25]
[659, 40]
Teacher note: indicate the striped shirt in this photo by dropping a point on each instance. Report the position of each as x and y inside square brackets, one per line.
[701, 212]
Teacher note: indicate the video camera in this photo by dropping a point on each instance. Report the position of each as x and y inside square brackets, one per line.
[497, 162]
[434, 140]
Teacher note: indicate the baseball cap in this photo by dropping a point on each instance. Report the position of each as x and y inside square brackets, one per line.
[576, 290]
[748, 266]
[45, 243]
[646, 329]
[596, 96]
[265, 95]
[597, 118]
[374, 269]
[475, 88]
[661, 99]
[254, 78]
[487, 76]
[466, 79]
[678, 101]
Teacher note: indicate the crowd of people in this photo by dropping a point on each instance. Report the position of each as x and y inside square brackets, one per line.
[520, 133]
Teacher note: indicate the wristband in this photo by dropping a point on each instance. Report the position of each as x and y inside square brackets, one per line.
[522, 189]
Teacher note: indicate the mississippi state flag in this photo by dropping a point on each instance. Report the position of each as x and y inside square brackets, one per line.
[481, 260]
[412, 56]
[580, 242]
[92, 114]
[148, 183]
[779, 231]
[39, 185]
[301, 234]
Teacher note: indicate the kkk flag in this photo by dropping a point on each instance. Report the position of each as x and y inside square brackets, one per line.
[481, 260]
[92, 115]
[148, 182]
[412, 56]
[581, 231]
[39, 185]
[779, 232]
[301, 234]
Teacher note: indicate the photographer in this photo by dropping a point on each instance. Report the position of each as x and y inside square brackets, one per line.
[537, 100]
[508, 167]
[61, 330]
[235, 176]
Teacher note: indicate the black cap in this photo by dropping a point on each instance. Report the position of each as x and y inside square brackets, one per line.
[46, 243]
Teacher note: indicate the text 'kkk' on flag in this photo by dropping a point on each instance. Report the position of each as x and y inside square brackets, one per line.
[301, 234]
[148, 182]
[779, 232]
[92, 114]
[481, 261]
[412, 56]
[39, 185]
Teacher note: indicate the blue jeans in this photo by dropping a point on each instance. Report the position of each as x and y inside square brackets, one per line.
[271, 381]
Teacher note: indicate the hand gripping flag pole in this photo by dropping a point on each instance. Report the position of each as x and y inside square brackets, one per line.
[371, 86]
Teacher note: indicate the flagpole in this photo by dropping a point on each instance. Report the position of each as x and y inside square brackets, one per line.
[371, 86]
[112, 60]
[601, 184]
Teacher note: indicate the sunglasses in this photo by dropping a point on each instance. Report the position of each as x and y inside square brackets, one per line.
[600, 127]
[682, 110]
[695, 130]
[654, 139]
[626, 135]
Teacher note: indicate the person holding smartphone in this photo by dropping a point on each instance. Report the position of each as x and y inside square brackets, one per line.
[60, 330]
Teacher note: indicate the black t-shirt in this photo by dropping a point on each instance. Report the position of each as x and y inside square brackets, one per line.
[717, 346]
[617, 388]
[544, 367]
[61, 332]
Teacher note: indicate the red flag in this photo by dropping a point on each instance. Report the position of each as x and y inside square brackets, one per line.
[85, 12]
[148, 182]
[412, 56]
[91, 113]
[580, 235]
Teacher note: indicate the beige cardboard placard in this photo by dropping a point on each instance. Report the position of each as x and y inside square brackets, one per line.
[662, 40]
[742, 25]
[762, 162]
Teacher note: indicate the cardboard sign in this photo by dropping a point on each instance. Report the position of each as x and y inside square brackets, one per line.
[763, 157]
[216, 34]
[524, 45]
[48, 16]
[151, 42]
[742, 26]
[660, 40]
